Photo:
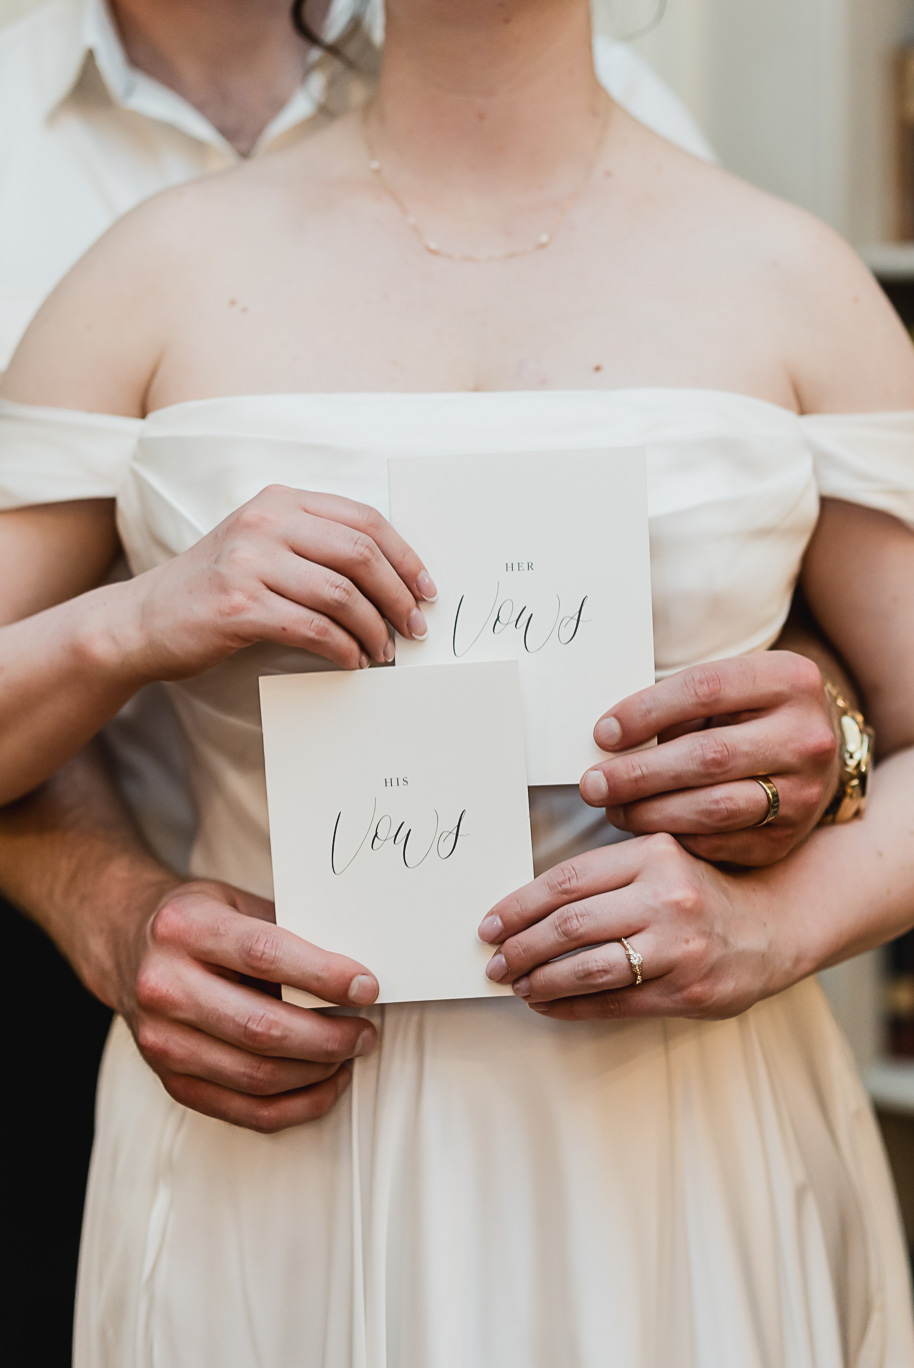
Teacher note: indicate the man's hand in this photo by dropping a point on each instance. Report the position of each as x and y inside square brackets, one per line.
[178, 959]
[717, 726]
[221, 1044]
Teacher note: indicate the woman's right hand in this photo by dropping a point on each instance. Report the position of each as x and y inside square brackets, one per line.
[313, 571]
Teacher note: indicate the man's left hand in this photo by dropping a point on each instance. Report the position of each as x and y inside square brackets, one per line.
[718, 726]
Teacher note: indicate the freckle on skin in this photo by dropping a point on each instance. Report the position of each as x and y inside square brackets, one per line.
[232, 303]
[598, 368]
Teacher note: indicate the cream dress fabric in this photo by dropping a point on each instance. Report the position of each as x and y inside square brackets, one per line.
[495, 1190]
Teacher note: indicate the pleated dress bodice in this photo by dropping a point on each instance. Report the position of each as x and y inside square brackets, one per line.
[495, 1188]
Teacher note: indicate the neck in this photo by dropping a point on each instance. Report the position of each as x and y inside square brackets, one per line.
[482, 98]
[237, 61]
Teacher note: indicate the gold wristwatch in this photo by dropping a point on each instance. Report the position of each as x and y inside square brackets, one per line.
[856, 756]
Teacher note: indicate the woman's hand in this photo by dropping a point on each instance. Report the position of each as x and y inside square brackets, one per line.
[220, 1044]
[718, 725]
[313, 571]
[707, 940]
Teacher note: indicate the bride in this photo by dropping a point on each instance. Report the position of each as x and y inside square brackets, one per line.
[491, 256]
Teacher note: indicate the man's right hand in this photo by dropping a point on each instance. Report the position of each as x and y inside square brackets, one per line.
[222, 1045]
[313, 571]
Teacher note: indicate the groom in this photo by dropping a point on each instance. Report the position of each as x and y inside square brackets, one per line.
[100, 107]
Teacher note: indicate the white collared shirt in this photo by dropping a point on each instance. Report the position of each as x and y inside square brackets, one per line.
[84, 137]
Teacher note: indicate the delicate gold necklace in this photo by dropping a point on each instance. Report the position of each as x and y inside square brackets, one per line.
[544, 239]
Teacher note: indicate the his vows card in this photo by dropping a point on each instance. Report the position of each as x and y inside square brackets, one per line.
[543, 559]
[398, 816]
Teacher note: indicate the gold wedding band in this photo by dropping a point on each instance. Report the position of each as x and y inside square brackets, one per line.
[774, 800]
[634, 959]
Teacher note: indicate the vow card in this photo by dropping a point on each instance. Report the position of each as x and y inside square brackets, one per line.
[398, 816]
[542, 559]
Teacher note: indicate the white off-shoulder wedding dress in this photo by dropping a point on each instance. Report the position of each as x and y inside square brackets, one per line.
[495, 1190]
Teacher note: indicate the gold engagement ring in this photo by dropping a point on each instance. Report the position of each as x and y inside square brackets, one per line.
[634, 959]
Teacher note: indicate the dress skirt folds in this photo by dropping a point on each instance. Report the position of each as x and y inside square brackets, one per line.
[495, 1190]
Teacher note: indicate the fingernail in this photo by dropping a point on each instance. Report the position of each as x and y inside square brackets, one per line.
[364, 1044]
[491, 929]
[426, 586]
[418, 627]
[364, 662]
[522, 987]
[607, 733]
[362, 990]
[390, 651]
[497, 968]
[594, 787]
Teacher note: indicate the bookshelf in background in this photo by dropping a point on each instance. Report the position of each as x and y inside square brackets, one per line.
[904, 144]
[900, 998]
[876, 1001]
[893, 262]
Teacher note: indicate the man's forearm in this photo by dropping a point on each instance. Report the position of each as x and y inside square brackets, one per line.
[66, 671]
[72, 860]
[802, 635]
[849, 888]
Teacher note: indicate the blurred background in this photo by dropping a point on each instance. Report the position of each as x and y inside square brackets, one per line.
[810, 99]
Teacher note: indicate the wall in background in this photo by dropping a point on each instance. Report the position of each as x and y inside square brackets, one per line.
[11, 9]
[795, 94]
[678, 46]
[876, 28]
[779, 96]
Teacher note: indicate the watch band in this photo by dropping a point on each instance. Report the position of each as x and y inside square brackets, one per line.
[856, 750]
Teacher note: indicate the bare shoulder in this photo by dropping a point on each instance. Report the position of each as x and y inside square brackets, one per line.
[843, 344]
[99, 340]
[248, 195]
[795, 277]
[95, 342]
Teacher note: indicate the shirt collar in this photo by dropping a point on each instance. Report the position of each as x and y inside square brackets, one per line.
[87, 36]
[100, 38]
[61, 58]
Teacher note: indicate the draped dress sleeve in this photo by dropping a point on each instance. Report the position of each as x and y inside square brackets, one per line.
[50, 455]
[866, 459]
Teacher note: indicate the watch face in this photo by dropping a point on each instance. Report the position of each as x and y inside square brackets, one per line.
[852, 736]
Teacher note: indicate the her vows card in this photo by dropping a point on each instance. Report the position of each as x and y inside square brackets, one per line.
[542, 559]
[398, 816]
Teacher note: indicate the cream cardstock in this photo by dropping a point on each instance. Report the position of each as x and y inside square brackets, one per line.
[543, 559]
[398, 816]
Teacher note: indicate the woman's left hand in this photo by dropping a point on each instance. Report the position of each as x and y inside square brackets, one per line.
[707, 943]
